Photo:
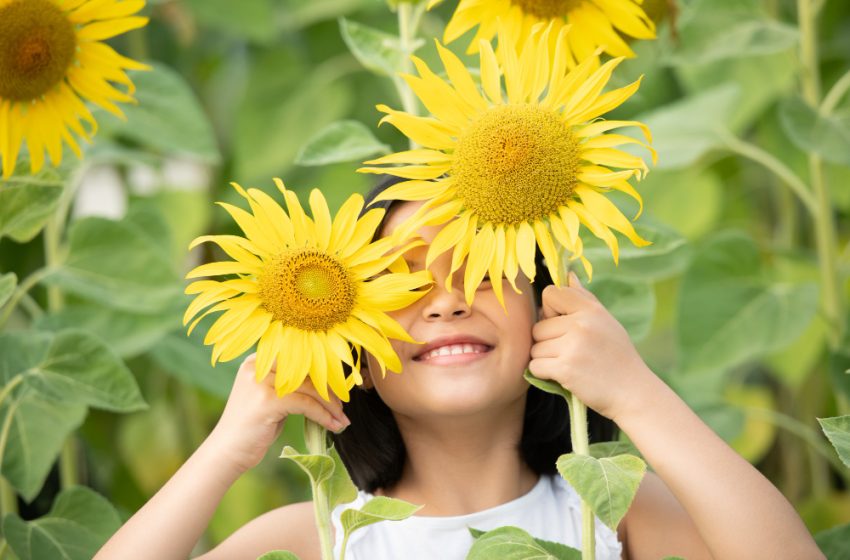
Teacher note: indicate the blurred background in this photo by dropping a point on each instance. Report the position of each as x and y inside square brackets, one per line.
[732, 305]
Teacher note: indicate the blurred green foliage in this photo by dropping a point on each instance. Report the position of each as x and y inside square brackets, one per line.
[726, 305]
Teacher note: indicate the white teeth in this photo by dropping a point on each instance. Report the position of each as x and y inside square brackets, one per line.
[455, 349]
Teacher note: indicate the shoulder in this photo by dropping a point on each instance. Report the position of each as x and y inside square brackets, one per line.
[291, 527]
[657, 525]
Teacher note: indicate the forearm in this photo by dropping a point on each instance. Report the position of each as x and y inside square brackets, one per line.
[738, 512]
[172, 522]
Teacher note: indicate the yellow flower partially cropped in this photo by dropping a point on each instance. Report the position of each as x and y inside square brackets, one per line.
[52, 60]
[596, 23]
[310, 292]
[508, 170]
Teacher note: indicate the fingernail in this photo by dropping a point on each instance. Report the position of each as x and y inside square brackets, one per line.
[574, 277]
[337, 427]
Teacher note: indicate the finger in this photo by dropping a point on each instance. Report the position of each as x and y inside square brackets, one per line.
[552, 348]
[334, 406]
[554, 327]
[302, 403]
[546, 368]
[562, 301]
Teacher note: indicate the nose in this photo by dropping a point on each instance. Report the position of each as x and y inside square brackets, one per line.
[444, 305]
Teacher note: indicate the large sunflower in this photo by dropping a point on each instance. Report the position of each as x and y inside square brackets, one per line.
[311, 292]
[517, 170]
[595, 23]
[52, 58]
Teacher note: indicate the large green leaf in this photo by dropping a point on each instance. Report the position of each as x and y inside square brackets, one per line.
[743, 38]
[78, 524]
[167, 118]
[72, 366]
[609, 484]
[632, 302]
[379, 508]
[666, 192]
[376, 50]
[119, 264]
[339, 142]
[187, 359]
[513, 543]
[341, 489]
[38, 428]
[253, 20]
[835, 542]
[827, 136]
[25, 208]
[838, 431]
[546, 385]
[318, 467]
[127, 333]
[730, 311]
[668, 255]
[8, 282]
[685, 131]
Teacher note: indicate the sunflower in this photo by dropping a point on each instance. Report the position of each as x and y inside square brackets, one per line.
[311, 292]
[503, 173]
[595, 22]
[52, 58]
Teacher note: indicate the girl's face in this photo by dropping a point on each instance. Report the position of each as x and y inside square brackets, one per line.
[472, 358]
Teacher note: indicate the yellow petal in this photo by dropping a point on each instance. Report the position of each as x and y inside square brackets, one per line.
[478, 261]
[525, 250]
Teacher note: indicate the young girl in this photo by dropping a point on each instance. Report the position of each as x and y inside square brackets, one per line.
[462, 433]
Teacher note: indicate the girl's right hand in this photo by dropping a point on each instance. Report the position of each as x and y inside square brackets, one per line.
[254, 415]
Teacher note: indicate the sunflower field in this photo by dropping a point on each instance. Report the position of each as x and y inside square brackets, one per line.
[122, 122]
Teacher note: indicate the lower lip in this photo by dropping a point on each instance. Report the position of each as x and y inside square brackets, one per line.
[454, 359]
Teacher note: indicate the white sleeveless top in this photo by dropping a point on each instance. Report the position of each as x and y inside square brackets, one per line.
[550, 511]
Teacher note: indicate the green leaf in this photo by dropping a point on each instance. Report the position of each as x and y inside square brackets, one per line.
[167, 118]
[340, 142]
[129, 334]
[546, 385]
[278, 555]
[730, 312]
[837, 430]
[38, 429]
[667, 256]
[379, 508]
[187, 359]
[685, 131]
[513, 543]
[78, 524]
[605, 449]
[609, 484]
[377, 51]
[71, 366]
[341, 489]
[663, 193]
[741, 39]
[318, 467]
[835, 542]
[631, 302]
[8, 282]
[118, 264]
[25, 208]
[253, 20]
[827, 136]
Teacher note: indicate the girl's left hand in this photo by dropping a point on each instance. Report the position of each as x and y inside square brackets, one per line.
[580, 345]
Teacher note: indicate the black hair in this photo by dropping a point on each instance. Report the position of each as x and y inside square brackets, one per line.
[372, 448]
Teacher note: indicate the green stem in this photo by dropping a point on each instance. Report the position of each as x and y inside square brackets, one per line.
[827, 247]
[581, 446]
[315, 437]
[408, 22]
[21, 291]
[758, 155]
[834, 95]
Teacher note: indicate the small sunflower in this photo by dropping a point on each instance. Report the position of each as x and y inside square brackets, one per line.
[52, 58]
[595, 23]
[505, 173]
[311, 292]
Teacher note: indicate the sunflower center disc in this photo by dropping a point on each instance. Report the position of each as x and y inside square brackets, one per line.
[36, 47]
[516, 163]
[307, 289]
[546, 9]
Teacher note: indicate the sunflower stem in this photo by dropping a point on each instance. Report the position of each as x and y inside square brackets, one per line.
[315, 437]
[833, 300]
[408, 20]
[581, 446]
[20, 292]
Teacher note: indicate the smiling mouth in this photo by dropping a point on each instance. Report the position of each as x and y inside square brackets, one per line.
[465, 349]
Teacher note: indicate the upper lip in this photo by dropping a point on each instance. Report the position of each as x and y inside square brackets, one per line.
[448, 341]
